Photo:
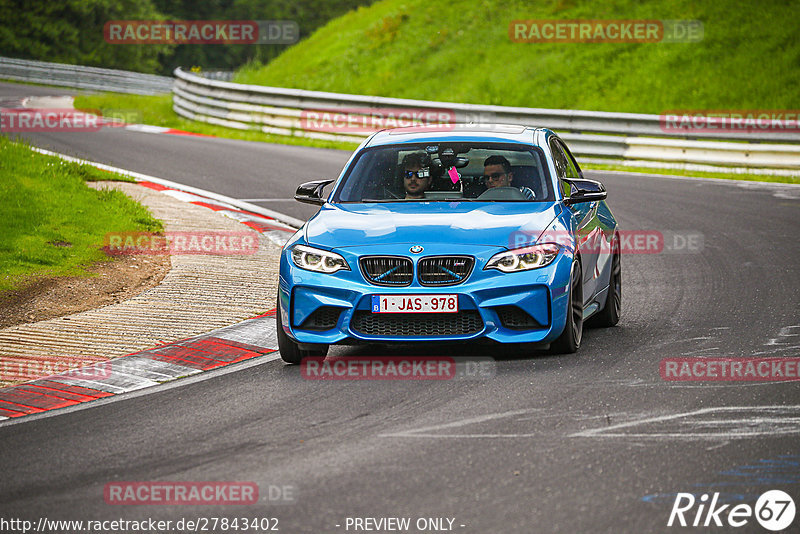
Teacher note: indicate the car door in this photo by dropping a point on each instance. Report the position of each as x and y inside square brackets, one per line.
[588, 230]
[603, 236]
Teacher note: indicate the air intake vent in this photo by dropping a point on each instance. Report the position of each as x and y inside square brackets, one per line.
[516, 318]
[323, 318]
[444, 270]
[387, 270]
[423, 324]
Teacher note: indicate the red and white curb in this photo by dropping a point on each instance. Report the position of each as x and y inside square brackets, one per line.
[273, 230]
[252, 338]
[145, 128]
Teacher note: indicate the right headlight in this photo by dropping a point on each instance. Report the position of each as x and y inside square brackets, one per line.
[321, 261]
[524, 259]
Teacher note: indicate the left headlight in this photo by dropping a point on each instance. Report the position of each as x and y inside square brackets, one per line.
[321, 261]
[524, 259]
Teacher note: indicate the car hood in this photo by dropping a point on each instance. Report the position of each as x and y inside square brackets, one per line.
[486, 223]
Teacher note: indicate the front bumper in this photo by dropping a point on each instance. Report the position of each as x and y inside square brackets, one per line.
[336, 308]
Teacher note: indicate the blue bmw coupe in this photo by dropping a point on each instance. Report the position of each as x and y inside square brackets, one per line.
[477, 233]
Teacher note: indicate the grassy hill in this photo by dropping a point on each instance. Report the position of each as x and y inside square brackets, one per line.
[460, 51]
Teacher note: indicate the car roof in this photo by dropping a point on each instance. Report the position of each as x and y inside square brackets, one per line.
[497, 133]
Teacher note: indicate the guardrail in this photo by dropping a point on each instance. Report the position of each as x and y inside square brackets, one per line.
[77, 76]
[592, 135]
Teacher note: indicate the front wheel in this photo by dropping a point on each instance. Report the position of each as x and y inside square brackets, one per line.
[570, 339]
[289, 349]
[609, 315]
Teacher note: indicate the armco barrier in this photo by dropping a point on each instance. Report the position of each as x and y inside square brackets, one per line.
[77, 76]
[591, 134]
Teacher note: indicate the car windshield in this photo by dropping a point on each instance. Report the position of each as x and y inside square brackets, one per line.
[490, 172]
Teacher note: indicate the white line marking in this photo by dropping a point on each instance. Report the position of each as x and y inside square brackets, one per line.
[783, 333]
[699, 350]
[145, 128]
[472, 420]
[685, 435]
[608, 431]
[777, 349]
[756, 421]
[463, 436]
[679, 415]
[280, 217]
[732, 384]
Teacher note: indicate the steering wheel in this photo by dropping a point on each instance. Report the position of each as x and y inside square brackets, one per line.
[388, 193]
[502, 193]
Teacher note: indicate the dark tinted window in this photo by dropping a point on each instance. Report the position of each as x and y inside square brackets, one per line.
[377, 175]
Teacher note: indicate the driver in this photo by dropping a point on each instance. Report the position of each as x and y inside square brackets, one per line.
[416, 176]
[497, 173]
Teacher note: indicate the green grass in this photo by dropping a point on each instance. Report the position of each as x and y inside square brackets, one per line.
[157, 111]
[460, 51]
[92, 174]
[52, 223]
[694, 174]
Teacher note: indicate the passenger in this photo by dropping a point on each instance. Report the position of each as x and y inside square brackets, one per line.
[497, 173]
[416, 176]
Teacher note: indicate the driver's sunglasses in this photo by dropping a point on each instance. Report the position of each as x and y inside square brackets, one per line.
[493, 177]
[422, 173]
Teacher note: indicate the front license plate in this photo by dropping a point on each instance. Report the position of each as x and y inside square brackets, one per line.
[414, 303]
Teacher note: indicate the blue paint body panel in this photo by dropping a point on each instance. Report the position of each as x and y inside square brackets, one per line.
[474, 229]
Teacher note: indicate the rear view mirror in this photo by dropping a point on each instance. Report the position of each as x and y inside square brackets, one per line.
[585, 191]
[311, 192]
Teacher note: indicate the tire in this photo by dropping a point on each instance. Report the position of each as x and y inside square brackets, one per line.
[291, 351]
[570, 339]
[609, 315]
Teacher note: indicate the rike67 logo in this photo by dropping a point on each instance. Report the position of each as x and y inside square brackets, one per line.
[774, 510]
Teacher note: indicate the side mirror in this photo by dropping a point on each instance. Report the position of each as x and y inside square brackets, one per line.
[311, 192]
[585, 191]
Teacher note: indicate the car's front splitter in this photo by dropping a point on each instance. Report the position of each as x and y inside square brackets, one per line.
[541, 294]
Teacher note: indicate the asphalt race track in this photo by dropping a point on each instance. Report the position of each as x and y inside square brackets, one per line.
[593, 442]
